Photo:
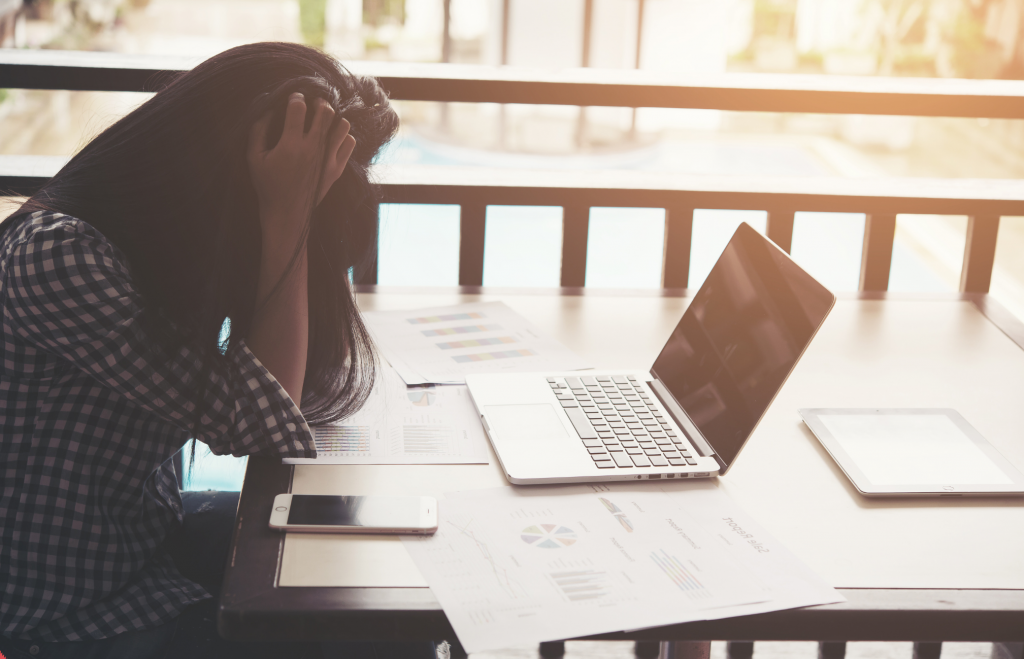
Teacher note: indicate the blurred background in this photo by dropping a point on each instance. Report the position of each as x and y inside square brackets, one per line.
[699, 38]
[921, 38]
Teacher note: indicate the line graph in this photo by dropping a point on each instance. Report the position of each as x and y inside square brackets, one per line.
[506, 582]
[680, 576]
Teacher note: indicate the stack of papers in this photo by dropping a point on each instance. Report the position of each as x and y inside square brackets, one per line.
[516, 566]
[441, 345]
[404, 425]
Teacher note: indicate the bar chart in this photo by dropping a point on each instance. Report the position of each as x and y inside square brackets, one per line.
[475, 343]
[341, 439]
[423, 320]
[581, 585]
[465, 329]
[487, 356]
[425, 440]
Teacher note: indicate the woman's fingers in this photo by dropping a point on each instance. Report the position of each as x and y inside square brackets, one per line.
[322, 121]
[335, 166]
[339, 131]
[294, 118]
[345, 152]
[326, 131]
[258, 136]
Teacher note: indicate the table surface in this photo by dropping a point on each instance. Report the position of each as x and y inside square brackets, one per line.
[911, 569]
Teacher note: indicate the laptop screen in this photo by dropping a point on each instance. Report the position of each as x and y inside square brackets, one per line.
[740, 338]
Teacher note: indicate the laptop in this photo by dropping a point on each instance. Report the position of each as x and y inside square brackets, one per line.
[692, 412]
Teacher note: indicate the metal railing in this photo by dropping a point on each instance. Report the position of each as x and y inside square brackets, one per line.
[983, 201]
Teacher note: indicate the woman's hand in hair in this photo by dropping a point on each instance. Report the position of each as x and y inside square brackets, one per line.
[285, 177]
[340, 145]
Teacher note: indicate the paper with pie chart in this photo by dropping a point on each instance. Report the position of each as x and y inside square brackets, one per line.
[517, 566]
[421, 424]
[511, 571]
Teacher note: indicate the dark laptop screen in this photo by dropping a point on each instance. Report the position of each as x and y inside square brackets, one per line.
[740, 338]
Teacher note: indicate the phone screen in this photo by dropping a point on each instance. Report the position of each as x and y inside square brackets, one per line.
[377, 512]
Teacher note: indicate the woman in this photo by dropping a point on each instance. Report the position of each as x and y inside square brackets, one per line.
[186, 275]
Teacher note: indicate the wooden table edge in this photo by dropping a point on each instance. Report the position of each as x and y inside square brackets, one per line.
[254, 608]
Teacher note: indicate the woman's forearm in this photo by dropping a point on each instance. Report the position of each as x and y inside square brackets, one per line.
[285, 178]
[279, 336]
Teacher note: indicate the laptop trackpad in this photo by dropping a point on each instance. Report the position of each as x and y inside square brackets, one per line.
[525, 422]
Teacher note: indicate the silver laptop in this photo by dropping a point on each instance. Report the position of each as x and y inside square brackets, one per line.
[692, 412]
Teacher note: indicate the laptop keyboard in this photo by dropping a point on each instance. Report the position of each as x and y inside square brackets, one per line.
[620, 423]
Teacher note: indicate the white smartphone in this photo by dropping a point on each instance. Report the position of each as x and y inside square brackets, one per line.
[316, 513]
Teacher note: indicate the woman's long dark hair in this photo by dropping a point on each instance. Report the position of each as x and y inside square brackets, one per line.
[169, 185]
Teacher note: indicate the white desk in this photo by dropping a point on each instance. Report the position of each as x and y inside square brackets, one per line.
[940, 352]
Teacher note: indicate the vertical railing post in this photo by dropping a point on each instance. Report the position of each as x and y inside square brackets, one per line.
[502, 119]
[506, 7]
[685, 650]
[446, 54]
[588, 28]
[979, 253]
[446, 33]
[876, 259]
[1007, 651]
[739, 650]
[678, 235]
[575, 231]
[923, 650]
[780, 229]
[831, 649]
[636, 59]
[472, 228]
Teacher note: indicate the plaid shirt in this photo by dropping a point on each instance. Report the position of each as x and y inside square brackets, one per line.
[91, 411]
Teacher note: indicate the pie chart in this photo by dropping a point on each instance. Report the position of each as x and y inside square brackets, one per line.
[548, 536]
[422, 396]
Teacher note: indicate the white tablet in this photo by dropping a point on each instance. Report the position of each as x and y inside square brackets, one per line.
[912, 452]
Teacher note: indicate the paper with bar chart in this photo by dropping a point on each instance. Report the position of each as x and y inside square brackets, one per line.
[442, 344]
[423, 424]
[524, 565]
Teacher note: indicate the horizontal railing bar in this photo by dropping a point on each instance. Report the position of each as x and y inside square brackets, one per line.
[655, 190]
[473, 190]
[763, 92]
[452, 185]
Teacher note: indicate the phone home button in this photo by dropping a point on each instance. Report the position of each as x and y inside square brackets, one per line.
[281, 509]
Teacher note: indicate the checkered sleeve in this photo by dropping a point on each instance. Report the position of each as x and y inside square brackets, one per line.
[69, 292]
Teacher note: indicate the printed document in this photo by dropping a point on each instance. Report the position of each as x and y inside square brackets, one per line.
[425, 424]
[442, 344]
[517, 566]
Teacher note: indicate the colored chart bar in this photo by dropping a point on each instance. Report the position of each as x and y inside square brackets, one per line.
[579, 585]
[680, 576]
[487, 356]
[465, 329]
[473, 315]
[426, 439]
[475, 343]
[342, 439]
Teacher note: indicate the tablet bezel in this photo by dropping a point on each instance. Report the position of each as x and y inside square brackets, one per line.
[811, 417]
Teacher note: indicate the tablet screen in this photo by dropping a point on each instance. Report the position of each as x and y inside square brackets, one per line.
[912, 449]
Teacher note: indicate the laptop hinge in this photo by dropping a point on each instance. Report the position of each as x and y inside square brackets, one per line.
[684, 421]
